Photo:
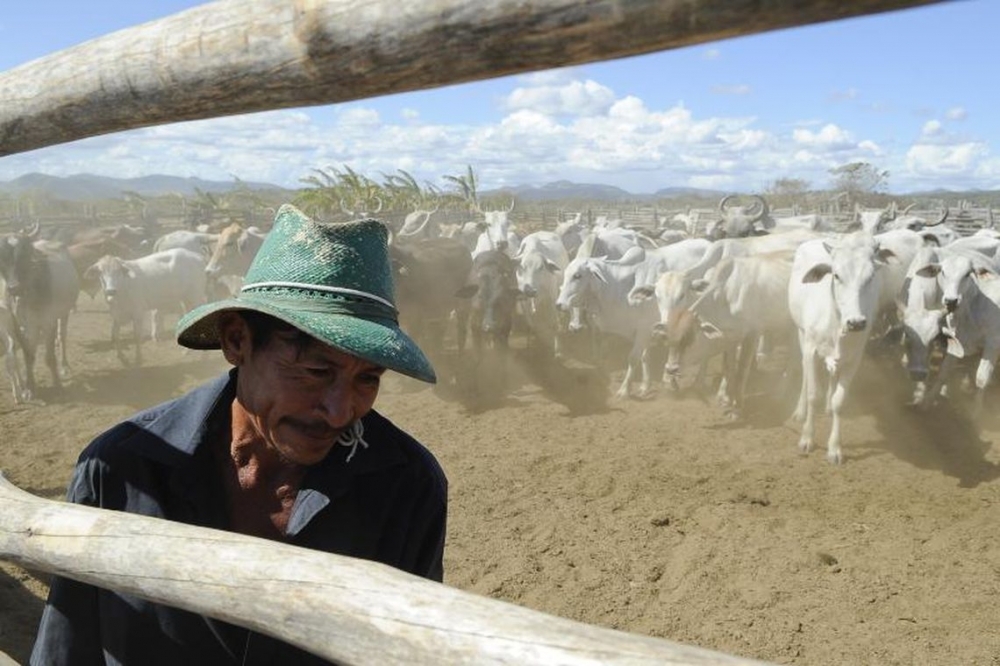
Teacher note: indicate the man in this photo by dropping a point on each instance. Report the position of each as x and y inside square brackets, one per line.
[285, 446]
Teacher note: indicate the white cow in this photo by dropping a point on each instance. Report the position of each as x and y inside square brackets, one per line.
[601, 286]
[743, 299]
[922, 312]
[571, 232]
[971, 295]
[676, 257]
[195, 241]
[169, 280]
[673, 290]
[496, 233]
[612, 243]
[234, 250]
[541, 260]
[833, 297]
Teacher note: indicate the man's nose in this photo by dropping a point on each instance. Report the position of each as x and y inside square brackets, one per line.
[337, 404]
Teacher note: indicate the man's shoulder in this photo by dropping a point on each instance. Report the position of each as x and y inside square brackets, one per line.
[166, 432]
[417, 458]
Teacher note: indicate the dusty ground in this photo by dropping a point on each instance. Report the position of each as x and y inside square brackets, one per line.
[657, 516]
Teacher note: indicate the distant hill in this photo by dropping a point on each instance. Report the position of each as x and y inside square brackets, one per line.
[567, 190]
[88, 187]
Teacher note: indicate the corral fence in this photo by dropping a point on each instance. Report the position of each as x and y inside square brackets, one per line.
[274, 54]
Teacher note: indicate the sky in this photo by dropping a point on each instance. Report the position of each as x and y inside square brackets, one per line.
[912, 92]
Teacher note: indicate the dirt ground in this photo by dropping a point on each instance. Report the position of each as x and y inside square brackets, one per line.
[656, 516]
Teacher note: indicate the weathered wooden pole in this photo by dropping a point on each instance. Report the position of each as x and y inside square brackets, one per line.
[346, 610]
[238, 56]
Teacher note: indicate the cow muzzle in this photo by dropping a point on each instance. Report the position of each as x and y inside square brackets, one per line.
[855, 324]
[950, 304]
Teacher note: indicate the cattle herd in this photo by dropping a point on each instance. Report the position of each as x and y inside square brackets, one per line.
[140, 279]
[735, 289]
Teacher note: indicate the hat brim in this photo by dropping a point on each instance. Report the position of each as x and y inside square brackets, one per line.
[383, 344]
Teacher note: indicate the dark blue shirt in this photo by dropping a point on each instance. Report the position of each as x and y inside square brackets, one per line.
[387, 504]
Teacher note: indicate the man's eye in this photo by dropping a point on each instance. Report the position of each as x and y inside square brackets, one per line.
[371, 379]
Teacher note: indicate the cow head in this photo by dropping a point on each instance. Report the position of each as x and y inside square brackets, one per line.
[739, 221]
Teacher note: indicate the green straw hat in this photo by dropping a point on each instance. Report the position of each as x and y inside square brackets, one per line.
[332, 281]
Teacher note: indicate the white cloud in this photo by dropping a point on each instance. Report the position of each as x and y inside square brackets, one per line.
[409, 114]
[829, 138]
[932, 128]
[938, 160]
[711, 54]
[844, 95]
[741, 89]
[956, 113]
[577, 98]
[358, 115]
[871, 147]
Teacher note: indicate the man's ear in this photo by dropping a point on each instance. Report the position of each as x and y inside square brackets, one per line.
[234, 337]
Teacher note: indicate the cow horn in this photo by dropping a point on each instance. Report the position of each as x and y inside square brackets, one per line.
[944, 216]
[764, 208]
[344, 208]
[379, 209]
[511, 207]
[33, 230]
[906, 211]
[725, 200]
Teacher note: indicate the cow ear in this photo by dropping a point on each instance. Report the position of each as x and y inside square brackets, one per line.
[551, 266]
[597, 273]
[817, 273]
[699, 285]
[710, 330]
[643, 292]
[884, 255]
[91, 273]
[130, 272]
[929, 271]
[985, 273]
[468, 291]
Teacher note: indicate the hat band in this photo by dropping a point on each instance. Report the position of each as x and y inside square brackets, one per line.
[371, 306]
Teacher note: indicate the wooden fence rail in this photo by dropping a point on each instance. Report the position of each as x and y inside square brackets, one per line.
[237, 56]
[346, 610]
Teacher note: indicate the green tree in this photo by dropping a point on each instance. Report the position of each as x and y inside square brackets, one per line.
[787, 191]
[466, 188]
[859, 181]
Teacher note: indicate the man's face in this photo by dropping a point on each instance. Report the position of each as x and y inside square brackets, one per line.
[298, 400]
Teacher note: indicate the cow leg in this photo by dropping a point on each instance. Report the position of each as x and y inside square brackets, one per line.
[51, 357]
[13, 373]
[137, 336]
[984, 373]
[63, 327]
[746, 361]
[943, 374]
[809, 398]
[839, 395]
[644, 360]
[116, 341]
[155, 321]
[622, 391]
[28, 349]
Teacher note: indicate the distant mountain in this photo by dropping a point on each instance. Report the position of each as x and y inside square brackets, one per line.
[567, 190]
[88, 187]
[672, 192]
